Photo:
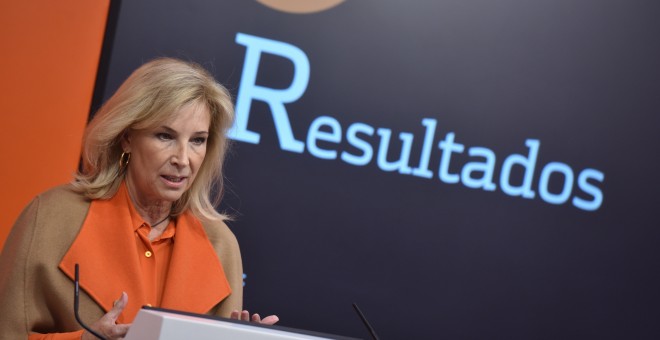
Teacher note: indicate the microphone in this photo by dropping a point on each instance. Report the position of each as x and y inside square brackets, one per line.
[366, 323]
[76, 300]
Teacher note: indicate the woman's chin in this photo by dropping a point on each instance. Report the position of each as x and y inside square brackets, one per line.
[172, 196]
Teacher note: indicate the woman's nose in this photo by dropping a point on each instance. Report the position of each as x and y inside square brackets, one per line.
[180, 156]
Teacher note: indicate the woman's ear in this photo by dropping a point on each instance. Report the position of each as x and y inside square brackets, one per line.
[126, 141]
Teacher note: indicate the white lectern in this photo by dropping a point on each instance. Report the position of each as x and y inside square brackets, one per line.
[161, 324]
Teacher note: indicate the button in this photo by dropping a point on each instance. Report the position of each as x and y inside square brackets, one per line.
[147, 253]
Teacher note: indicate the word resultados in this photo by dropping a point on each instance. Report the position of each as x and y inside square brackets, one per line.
[477, 173]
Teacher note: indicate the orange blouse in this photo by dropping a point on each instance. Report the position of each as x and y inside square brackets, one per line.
[154, 256]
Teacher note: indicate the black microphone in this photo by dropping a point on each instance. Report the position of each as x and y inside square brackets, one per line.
[76, 300]
[366, 323]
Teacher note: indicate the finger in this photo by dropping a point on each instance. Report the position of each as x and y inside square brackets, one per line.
[118, 307]
[119, 331]
[256, 318]
[245, 315]
[270, 320]
[235, 315]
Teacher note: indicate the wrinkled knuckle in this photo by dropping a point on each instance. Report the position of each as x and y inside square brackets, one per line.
[114, 332]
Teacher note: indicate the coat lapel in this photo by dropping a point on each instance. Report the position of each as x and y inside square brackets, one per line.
[106, 251]
[196, 280]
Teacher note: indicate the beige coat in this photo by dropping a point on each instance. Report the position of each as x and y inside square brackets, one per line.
[36, 296]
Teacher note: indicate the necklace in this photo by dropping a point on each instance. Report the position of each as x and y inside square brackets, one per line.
[161, 221]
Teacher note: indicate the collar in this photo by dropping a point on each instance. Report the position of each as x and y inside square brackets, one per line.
[136, 219]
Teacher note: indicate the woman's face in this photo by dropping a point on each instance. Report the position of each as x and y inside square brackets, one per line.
[165, 160]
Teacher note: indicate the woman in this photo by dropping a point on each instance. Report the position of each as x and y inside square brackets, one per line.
[138, 218]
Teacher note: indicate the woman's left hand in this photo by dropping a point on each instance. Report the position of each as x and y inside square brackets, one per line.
[245, 316]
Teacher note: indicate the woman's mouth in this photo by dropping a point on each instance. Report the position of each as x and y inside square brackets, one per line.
[173, 180]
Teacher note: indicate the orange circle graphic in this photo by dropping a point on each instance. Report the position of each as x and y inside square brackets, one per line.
[300, 6]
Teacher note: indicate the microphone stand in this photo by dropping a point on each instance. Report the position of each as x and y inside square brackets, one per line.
[76, 300]
[366, 323]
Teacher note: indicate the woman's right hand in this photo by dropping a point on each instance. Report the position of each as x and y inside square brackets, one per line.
[106, 326]
[245, 316]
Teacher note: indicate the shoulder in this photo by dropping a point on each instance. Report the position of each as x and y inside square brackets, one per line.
[60, 202]
[65, 193]
[52, 219]
[218, 231]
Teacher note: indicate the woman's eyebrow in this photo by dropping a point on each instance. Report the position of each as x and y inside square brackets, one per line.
[170, 130]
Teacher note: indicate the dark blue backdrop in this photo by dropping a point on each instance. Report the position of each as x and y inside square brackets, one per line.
[425, 257]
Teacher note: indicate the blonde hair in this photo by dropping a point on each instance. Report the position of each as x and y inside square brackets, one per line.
[151, 95]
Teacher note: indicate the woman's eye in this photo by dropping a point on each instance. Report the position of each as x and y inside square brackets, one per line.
[199, 140]
[163, 136]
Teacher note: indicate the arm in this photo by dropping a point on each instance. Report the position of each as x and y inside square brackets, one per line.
[230, 255]
[226, 247]
[13, 267]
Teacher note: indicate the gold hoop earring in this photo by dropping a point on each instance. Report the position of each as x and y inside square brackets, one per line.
[124, 159]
